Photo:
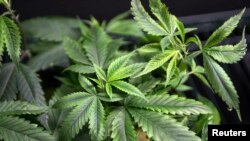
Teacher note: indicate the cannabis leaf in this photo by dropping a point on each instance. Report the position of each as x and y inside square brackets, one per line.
[81, 69]
[8, 85]
[86, 107]
[87, 85]
[75, 51]
[162, 127]
[54, 56]
[118, 64]
[1, 46]
[223, 31]
[148, 24]
[13, 129]
[158, 60]
[29, 86]
[119, 69]
[119, 25]
[170, 104]
[11, 37]
[161, 12]
[221, 83]
[96, 121]
[127, 88]
[18, 107]
[56, 28]
[96, 45]
[122, 126]
[228, 53]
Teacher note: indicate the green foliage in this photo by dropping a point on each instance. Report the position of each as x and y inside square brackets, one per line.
[15, 128]
[127, 88]
[229, 53]
[56, 28]
[158, 61]
[121, 94]
[221, 83]
[113, 87]
[29, 86]
[170, 105]
[8, 86]
[122, 26]
[122, 126]
[223, 31]
[162, 127]
[18, 108]
[96, 45]
[75, 52]
[148, 24]
[48, 58]
[11, 37]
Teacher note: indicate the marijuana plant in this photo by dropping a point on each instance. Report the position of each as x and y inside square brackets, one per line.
[122, 78]
[123, 92]
[18, 82]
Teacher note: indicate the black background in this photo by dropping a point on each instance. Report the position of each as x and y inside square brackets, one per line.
[106, 9]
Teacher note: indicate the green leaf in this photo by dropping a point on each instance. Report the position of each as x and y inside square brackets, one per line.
[171, 69]
[119, 17]
[100, 73]
[97, 120]
[96, 46]
[118, 64]
[56, 116]
[18, 108]
[72, 100]
[1, 45]
[170, 104]
[147, 23]
[148, 86]
[203, 79]
[81, 69]
[15, 129]
[54, 56]
[86, 84]
[12, 38]
[29, 86]
[229, 53]
[223, 31]
[128, 88]
[56, 28]
[157, 61]
[161, 127]
[122, 127]
[110, 118]
[165, 43]
[221, 83]
[75, 52]
[122, 26]
[77, 118]
[216, 119]
[83, 27]
[181, 29]
[161, 12]
[8, 83]
[149, 49]
[109, 90]
[115, 97]
[125, 27]
[126, 72]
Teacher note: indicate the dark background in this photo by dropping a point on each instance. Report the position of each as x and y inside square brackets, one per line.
[106, 9]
